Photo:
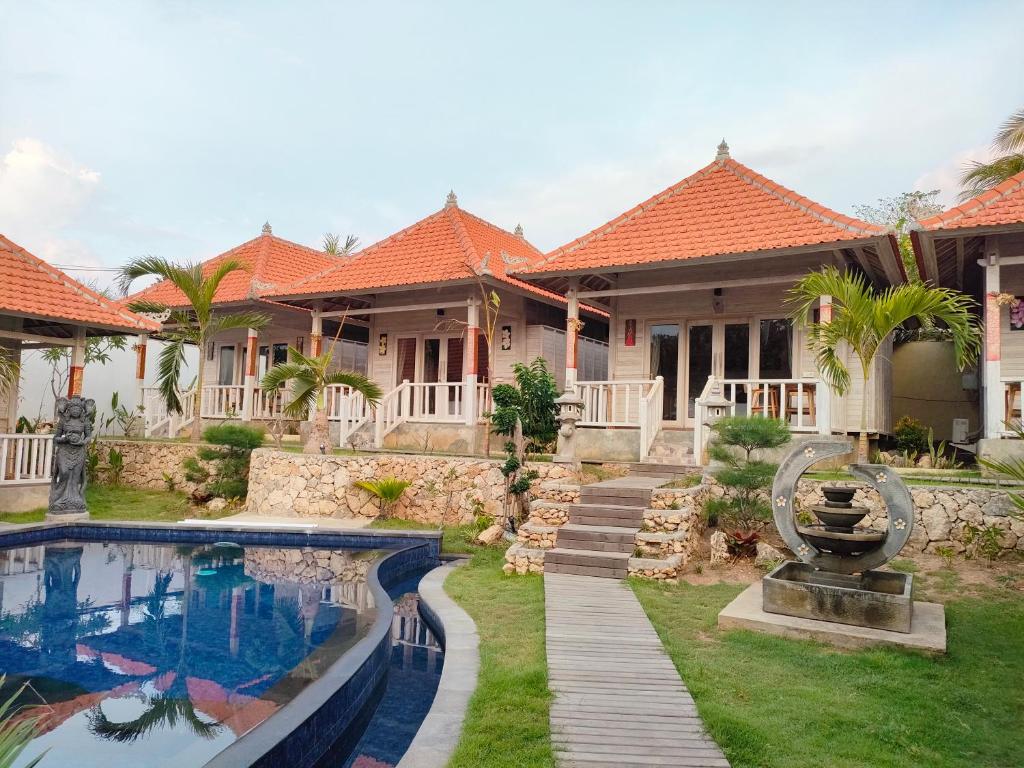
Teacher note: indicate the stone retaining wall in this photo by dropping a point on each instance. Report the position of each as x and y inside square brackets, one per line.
[941, 513]
[288, 484]
[146, 462]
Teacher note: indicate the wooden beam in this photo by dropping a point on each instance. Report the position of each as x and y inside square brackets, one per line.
[865, 265]
[398, 308]
[680, 287]
[959, 263]
[893, 273]
[50, 341]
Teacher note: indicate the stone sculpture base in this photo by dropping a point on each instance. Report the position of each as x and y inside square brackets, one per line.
[927, 629]
[66, 517]
[876, 599]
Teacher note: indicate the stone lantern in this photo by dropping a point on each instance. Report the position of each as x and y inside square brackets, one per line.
[570, 411]
[715, 406]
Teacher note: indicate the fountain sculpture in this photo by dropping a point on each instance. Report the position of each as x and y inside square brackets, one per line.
[836, 578]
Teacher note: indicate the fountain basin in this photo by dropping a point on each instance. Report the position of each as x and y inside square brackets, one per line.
[846, 517]
[877, 599]
[842, 541]
[838, 495]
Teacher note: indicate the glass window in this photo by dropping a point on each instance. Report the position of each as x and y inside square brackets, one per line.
[226, 366]
[698, 364]
[776, 349]
[280, 354]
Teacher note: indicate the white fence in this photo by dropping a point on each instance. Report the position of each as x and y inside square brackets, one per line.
[612, 403]
[25, 459]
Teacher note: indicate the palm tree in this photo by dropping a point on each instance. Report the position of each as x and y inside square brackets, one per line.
[862, 319]
[311, 377]
[16, 730]
[9, 372]
[197, 325]
[978, 177]
[388, 491]
[334, 246]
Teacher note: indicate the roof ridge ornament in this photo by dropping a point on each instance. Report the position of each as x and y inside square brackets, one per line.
[723, 151]
[266, 228]
[518, 232]
[451, 201]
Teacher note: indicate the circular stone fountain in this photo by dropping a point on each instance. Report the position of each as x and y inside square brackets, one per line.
[835, 579]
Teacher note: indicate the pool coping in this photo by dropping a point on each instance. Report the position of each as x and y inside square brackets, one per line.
[306, 722]
[440, 731]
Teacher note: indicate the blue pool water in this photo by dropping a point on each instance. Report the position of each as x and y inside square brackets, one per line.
[414, 672]
[148, 654]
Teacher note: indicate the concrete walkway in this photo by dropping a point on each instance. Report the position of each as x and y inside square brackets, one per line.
[618, 698]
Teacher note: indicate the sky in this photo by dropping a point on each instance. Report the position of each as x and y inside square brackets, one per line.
[178, 128]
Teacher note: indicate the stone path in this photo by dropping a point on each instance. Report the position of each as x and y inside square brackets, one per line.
[618, 698]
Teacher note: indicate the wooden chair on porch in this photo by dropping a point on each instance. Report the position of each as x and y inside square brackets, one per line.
[758, 392]
[801, 400]
[1013, 405]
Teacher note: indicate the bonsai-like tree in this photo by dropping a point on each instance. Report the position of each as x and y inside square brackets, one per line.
[745, 508]
[197, 325]
[862, 319]
[311, 376]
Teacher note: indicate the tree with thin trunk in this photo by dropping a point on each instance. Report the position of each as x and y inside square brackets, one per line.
[196, 325]
[1009, 142]
[862, 319]
[310, 377]
[9, 372]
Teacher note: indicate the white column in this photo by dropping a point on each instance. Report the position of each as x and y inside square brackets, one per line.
[140, 379]
[469, 354]
[823, 406]
[252, 352]
[316, 335]
[77, 376]
[994, 407]
[572, 324]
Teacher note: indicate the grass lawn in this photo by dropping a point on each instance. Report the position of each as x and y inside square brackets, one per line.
[108, 502]
[507, 722]
[776, 703]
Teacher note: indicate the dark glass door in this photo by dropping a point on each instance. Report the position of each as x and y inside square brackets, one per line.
[665, 363]
[699, 363]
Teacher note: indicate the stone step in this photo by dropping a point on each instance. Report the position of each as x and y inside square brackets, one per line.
[606, 515]
[583, 570]
[584, 557]
[600, 494]
[661, 469]
[596, 538]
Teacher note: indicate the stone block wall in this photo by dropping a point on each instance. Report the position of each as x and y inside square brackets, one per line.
[941, 513]
[288, 484]
[146, 462]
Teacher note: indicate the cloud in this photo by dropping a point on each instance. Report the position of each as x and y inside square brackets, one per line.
[42, 194]
[946, 177]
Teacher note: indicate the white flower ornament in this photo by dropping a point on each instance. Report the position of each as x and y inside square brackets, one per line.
[780, 501]
[809, 452]
[881, 477]
[899, 525]
[803, 549]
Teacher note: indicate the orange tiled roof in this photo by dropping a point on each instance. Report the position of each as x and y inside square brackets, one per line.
[443, 247]
[1003, 204]
[30, 287]
[723, 208]
[272, 263]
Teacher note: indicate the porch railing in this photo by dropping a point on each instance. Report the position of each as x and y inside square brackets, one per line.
[795, 401]
[267, 405]
[651, 407]
[612, 403]
[426, 402]
[25, 458]
[1013, 401]
[158, 421]
[347, 406]
[222, 401]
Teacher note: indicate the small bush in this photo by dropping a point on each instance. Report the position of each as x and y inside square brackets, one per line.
[911, 436]
[388, 491]
[230, 450]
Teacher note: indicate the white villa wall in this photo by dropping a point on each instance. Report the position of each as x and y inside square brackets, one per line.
[1011, 280]
[757, 301]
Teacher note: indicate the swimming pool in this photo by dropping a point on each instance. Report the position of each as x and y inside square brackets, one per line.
[194, 651]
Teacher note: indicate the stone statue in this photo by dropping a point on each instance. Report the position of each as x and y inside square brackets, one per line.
[70, 443]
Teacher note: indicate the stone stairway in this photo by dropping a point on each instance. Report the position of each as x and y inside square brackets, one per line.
[600, 536]
[673, 447]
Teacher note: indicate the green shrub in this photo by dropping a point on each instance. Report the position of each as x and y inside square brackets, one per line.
[115, 466]
[911, 435]
[745, 478]
[230, 449]
[388, 491]
[531, 401]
